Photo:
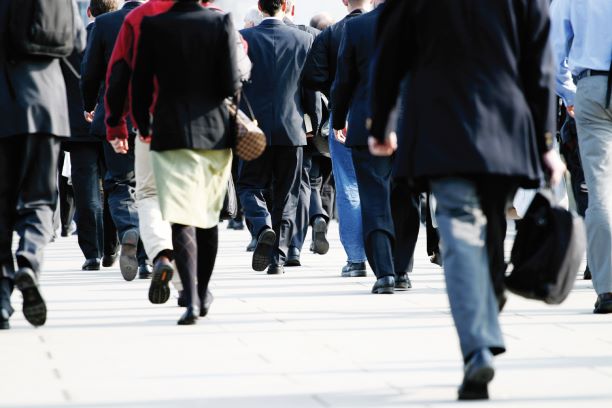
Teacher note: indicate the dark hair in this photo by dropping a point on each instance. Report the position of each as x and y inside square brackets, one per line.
[271, 7]
[99, 7]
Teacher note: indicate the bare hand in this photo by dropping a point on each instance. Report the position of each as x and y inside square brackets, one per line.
[120, 145]
[386, 148]
[340, 136]
[146, 139]
[570, 111]
[89, 116]
[555, 166]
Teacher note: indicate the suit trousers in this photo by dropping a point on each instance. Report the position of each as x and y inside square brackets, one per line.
[406, 214]
[97, 235]
[466, 243]
[594, 123]
[374, 182]
[28, 196]
[279, 169]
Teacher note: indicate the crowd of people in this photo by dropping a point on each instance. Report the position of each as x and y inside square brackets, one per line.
[401, 113]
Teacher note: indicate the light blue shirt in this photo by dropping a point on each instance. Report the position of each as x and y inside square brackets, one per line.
[581, 39]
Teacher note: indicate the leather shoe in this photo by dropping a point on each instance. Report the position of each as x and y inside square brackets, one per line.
[276, 270]
[384, 286]
[354, 270]
[91, 265]
[252, 245]
[208, 299]
[145, 271]
[236, 225]
[159, 291]
[402, 282]
[603, 304]
[478, 373]
[263, 249]
[320, 245]
[34, 308]
[109, 260]
[128, 263]
[189, 317]
[293, 259]
[587, 274]
[182, 302]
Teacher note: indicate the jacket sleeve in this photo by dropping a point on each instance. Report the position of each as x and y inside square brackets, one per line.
[537, 70]
[141, 91]
[343, 87]
[311, 102]
[228, 75]
[316, 74]
[92, 69]
[390, 64]
[117, 84]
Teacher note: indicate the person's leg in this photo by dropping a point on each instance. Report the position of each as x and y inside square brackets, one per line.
[406, 214]
[66, 197]
[237, 223]
[594, 123]
[347, 201]
[208, 243]
[328, 187]
[463, 231]
[303, 206]
[316, 183]
[186, 258]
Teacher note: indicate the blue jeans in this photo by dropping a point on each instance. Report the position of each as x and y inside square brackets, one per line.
[347, 201]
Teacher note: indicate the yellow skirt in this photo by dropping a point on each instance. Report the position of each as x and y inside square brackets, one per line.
[192, 184]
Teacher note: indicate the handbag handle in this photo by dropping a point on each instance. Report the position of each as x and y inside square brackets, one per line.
[248, 104]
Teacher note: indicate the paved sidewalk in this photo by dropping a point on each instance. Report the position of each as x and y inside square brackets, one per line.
[305, 339]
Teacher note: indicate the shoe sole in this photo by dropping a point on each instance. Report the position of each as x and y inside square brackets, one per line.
[383, 291]
[475, 388]
[34, 308]
[606, 309]
[261, 255]
[128, 263]
[319, 240]
[90, 268]
[403, 287]
[159, 291]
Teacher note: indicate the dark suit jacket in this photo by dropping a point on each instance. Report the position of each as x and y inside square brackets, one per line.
[100, 46]
[320, 69]
[278, 53]
[79, 127]
[350, 91]
[191, 52]
[32, 90]
[481, 99]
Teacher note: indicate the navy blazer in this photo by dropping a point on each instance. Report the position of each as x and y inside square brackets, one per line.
[278, 53]
[100, 45]
[350, 88]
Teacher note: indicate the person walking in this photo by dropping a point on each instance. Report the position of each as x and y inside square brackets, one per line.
[189, 54]
[582, 39]
[34, 121]
[481, 121]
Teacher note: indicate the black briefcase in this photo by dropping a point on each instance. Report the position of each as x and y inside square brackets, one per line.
[549, 247]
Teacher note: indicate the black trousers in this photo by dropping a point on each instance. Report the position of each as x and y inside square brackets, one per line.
[66, 197]
[279, 170]
[28, 196]
[374, 183]
[97, 235]
[406, 214]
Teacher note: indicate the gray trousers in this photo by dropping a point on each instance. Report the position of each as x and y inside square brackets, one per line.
[594, 124]
[462, 225]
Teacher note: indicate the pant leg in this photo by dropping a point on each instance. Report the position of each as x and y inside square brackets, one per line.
[406, 214]
[463, 231]
[433, 237]
[316, 183]
[110, 235]
[86, 175]
[328, 188]
[66, 197]
[287, 170]
[37, 198]
[374, 181]
[347, 201]
[594, 124]
[253, 182]
[303, 207]
[12, 153]
[235, 174]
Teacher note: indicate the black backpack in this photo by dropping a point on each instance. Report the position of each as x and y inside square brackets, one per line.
[549, 247]
[44, 28]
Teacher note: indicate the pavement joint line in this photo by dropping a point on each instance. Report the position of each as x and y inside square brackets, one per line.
[320, 400]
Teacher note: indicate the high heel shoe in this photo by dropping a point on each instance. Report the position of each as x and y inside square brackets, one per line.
[189, 317]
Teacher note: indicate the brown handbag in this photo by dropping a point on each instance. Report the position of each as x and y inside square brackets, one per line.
[250, 139]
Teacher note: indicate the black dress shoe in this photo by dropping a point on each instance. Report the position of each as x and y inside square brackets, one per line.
[128, 263]
[34, 308]
[91, 265]
[263, 249]
[252, 245]
[182, 302]
[478, 373]
[293, 258]
[159, 291]
[587, 274]
[402, 282]
[189, 317]
[109, 260]
[320, 245]
[208, 299]
[145, 271]
[236, 225]
[603, 304]
[384, 286]
[354, 270]
[276, 270]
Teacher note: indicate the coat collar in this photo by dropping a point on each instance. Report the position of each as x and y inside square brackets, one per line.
[187, 6]
[132, 4]
[271, 22]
